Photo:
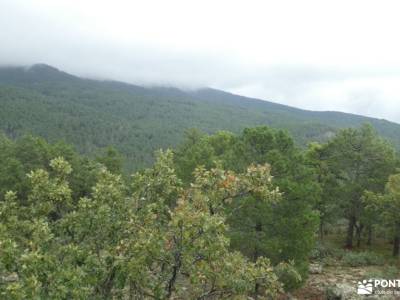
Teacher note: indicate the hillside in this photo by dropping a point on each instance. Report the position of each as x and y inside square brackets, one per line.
[93, 114]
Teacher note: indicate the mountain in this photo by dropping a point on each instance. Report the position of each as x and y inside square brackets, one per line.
[92, 114]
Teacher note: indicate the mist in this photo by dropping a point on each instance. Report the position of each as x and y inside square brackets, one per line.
[338, 56]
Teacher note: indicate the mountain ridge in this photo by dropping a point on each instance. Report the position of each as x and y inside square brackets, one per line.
[39, 67]
[91, 114]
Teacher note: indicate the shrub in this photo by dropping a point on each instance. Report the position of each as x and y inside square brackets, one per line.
[322, 252]
[389, 272]
[358, 259]
[288, 275]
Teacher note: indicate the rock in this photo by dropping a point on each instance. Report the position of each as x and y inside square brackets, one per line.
[332, 293]
[341, 291]
[10, 277]
[315, 268]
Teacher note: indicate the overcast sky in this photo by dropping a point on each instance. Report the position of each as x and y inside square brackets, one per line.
[320, 55]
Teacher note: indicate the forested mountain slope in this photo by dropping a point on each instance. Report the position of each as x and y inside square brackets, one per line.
[93, 114]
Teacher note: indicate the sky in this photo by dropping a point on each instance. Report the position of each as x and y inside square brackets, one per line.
[312, 54]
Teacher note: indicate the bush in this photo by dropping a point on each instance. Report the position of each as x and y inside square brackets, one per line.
[358, 259]
[288, 275]
[338, 253]
[322, 252]
[390, 272]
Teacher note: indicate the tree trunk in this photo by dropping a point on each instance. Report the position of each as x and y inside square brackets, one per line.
[107, 285]
[258, 228]
[321, 230]
[256, 291]
[396, 246]
[396, 242]
[369, 240]
[359, 230]
[350, 232]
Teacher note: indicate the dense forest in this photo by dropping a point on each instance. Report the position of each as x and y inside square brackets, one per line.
[137, 121]
[246, 200]
[220, 216]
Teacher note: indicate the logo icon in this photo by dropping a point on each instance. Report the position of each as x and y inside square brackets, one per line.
[365, 287]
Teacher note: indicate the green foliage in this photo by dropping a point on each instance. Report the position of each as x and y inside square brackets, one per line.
[390, 272]
[155, 239]
[331, 255]
[288, 275]
[356, 160]
[137, 121]
[30, 153]
[385, 209]
[321, 251]
[186, 228]
[391, 202]
[111, 159]
[284, 231]
[359, 259]
[326, 205]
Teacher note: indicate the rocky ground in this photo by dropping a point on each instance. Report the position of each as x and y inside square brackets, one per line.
[336, 282]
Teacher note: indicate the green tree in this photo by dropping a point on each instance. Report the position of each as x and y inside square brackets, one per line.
[284, 231]
[325, 204]
[359, 160]
[155, 240]
[387, 207]
[29, 153]
[193, 152]
[111, 159]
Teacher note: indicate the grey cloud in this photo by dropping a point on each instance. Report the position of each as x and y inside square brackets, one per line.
[29, 39]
